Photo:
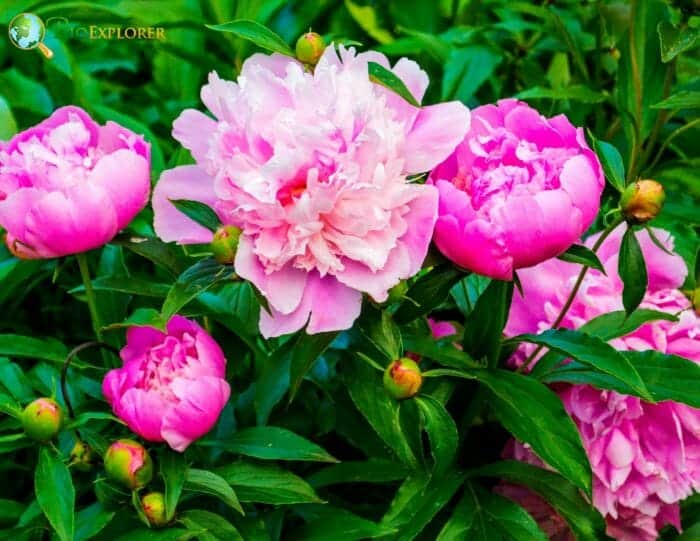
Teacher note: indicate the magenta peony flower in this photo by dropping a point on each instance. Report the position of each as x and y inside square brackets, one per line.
[171, 387]
[645, 457]
[518, 190]
[313, 168]
[68, 185]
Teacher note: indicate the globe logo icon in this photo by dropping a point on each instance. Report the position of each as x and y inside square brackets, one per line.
[27, 31]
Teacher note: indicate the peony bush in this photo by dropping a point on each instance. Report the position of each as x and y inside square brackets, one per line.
[426, 273]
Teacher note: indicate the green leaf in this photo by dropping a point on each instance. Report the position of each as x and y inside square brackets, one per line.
[466, 69]
[482, 515]
[675, 40]
[195, 280]
[441, 430]
[13, 345]
[149, 534]
[267, 483]
[307, 349]
[332, 524]
[483, 328]
[578, 93]
[577, 253]
[166, 256]
[374, 470]
[583, 519]
[8, 124]
[211, 527]
[55, 493]
[203, 214]
[208, 482]
[272, 443]
[684, 99]
[535, 415]
[90, 520]
[668, 377]
[387, 78]
[616, 324]
[632, 270]
[366, 17]
[127, 284]
[590, 351]
[442, 351]
[142, 317]
[381, 411]
[173, 470]
[611, 160]
[379, 328]
[428, 292]
[253, 31]
[417, 501]
[83, 418]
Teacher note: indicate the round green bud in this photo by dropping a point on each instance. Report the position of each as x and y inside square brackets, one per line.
[153, 505]
[642, 201]
[310, 47]
[128, 463]
[225, 244]
[82, 457]
[402, 378]
[42, 419]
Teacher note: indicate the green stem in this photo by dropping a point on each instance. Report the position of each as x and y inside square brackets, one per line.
[90, 295]
[570, 300]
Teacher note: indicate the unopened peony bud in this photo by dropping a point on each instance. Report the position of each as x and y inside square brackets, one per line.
[42, 419]
[153, 505]
[225, 244]
[642, 201]
[695, 299]
[310, 47]
[128, 463]
[81, 457]
[402, 378]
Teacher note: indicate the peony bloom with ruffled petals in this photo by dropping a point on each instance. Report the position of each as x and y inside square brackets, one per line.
[645, 457]
[171, 387]
[313, 167]
[518, 190]
[69, 185]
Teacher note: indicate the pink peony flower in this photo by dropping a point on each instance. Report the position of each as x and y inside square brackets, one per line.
[171, 387]
[518, 190]
[68, 185]
[645, 457]
[440, 329]
[313, 168]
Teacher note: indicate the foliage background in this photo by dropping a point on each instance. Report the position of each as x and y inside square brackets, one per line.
[603, 64]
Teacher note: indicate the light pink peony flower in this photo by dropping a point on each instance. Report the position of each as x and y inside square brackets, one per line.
[518, 190]
[68, 185]
[171, 387]
[313, 168]
[645, 457]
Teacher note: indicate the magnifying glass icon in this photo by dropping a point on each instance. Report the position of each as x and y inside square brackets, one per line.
[27, 32]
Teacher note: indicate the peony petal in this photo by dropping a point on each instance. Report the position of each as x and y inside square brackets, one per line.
[193, 129]
[201, 403]
[143, 412]
[185, 182]
[334, 306]
[436, 132]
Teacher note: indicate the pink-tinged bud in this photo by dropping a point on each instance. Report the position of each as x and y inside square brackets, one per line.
[225, 244]
[153, 505]
[82, 457]
[695, 299]
[642, 201]
[310, 47]
[128, 463]
[42, 419]
[402, 378]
